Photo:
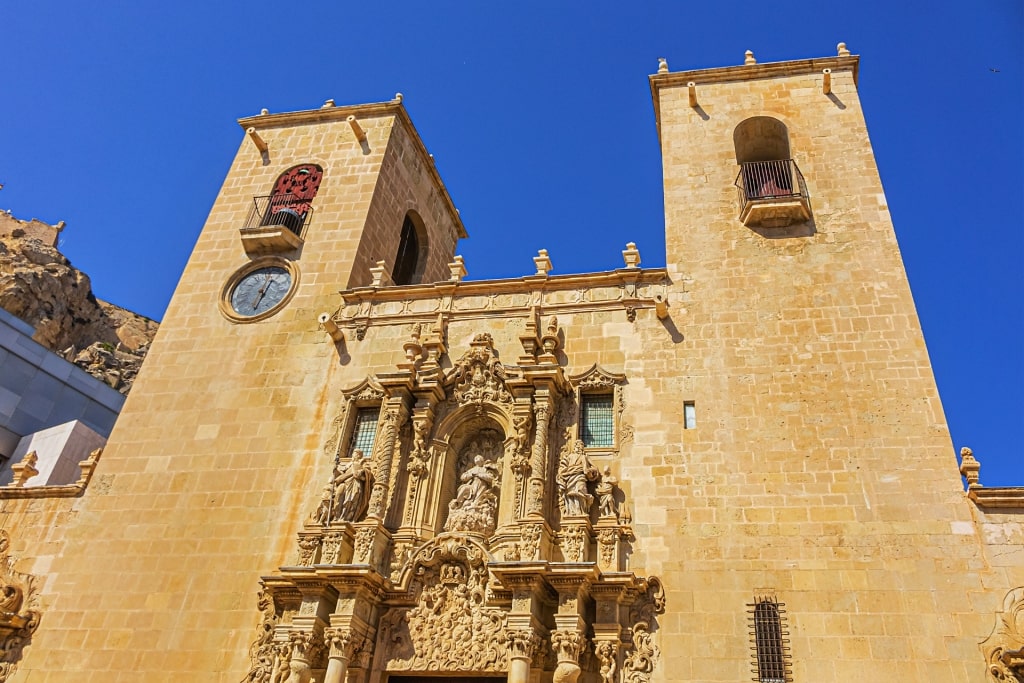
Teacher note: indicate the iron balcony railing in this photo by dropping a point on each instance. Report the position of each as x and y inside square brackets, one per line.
[770, 180]
[285, 210]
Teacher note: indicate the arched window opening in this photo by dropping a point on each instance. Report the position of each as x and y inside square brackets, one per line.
[409, 260]
[291, 201]
[772, 189]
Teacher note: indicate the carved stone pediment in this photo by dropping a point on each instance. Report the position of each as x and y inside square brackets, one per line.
[449, 627]
[596, 378]
[1004, 649]
[478, 376]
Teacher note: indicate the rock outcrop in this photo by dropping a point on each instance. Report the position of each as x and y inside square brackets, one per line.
[40, 286]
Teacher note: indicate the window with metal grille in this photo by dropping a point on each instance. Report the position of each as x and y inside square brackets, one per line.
[770, 650]
[597, 420]
[364, 431]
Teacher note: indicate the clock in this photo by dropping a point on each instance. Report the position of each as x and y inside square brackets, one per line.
[259, 289]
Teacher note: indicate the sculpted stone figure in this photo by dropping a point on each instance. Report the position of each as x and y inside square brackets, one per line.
[607, 506]
[352, 488]
[475, 505]
[574, 473]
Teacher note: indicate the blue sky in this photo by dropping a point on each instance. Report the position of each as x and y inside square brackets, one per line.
[119, 118]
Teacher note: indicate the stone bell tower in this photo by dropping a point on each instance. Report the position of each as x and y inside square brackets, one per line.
[211, 449]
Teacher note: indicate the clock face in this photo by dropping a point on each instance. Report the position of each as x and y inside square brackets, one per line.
[260, 290]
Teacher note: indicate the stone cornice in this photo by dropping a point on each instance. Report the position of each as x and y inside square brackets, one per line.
[370, 110]
[625, 288]
[747, 72]
[1008, 497]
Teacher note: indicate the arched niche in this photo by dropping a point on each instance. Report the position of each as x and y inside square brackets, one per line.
[761, 138]
[473, 467]
[411, 258]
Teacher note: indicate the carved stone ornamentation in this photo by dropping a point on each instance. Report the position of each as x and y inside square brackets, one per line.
[523, 643]
[306, 651]
[639, 663]
[475, 506]
[365, 537]
[19, 610]
[479, 376]
[574, 543]
[308, 546]
[1004, 648]
[607, 652]
[607, 540]
[331, 548]
[574, 474]
[529, 545]
[263, 652]
[451, 589]
[567, 645]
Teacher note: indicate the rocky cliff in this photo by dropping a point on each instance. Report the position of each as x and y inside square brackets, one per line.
[40, 286]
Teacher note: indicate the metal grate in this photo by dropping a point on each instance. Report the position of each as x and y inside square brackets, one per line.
[770, 650]
[365, 431]
[597, 422]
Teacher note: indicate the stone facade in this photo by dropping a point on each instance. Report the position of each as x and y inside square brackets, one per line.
[613, 477]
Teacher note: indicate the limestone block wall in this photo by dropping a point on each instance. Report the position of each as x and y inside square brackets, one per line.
[820, 469]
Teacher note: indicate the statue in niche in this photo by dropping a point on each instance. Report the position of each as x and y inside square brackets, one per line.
[475, 506]
[607, 506]
[574, 474]
[352, 486]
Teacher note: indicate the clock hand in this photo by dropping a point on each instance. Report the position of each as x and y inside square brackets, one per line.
[262, 292]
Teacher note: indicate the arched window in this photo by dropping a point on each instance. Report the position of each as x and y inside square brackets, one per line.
[409, 262]
[291, 200]
[772, 190]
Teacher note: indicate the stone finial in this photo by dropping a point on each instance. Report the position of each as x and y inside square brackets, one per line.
[327, 104]
[748, 57]
[662, 65]
[379, 275]
[25, 470]
[264, 111]
[542, 262]
[457, 268]
[841, 50]
[631, 255]
[399, 97]
[88, 466]
[969, 467]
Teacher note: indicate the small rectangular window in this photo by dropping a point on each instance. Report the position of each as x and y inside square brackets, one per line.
[365, 431]
[771, 652]
[689, 415]
[597, 421]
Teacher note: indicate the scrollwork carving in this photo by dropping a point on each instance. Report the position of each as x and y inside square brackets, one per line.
[1004, 648]
[19, 610]
[574, 543]
[451, 580]
[479, 376]
[642, 657]
[308, 545]
[263, 652]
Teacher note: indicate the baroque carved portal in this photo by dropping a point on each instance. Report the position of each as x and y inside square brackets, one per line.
[398, 567]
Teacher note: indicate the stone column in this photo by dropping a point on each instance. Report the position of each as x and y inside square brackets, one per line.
[305, 647]
[567, 644]
[522, 645]
[341, 643]
[395, 414]
[539, 459]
